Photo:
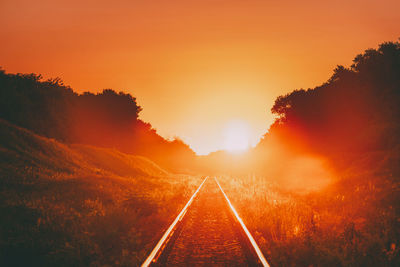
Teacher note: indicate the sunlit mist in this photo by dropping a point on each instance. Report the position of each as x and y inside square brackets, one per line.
[237, 136]
[306, 174]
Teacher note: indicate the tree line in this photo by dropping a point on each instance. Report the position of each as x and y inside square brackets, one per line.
[356, 111]
[106, 119]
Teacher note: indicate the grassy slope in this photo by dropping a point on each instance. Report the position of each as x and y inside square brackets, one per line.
[80, 205]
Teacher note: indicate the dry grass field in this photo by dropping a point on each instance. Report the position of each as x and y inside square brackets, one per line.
[79, 205]
[344, 224]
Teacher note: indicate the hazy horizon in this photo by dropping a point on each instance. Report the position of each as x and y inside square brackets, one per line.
[193, 65]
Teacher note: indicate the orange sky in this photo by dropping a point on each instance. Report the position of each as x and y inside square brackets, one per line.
[194, 66]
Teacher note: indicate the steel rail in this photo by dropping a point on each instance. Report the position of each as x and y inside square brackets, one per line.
[248, 234]
[161, 244]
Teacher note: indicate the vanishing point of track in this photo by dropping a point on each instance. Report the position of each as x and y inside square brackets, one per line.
[207, 232]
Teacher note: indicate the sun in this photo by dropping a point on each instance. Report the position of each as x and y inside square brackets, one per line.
[236, 136]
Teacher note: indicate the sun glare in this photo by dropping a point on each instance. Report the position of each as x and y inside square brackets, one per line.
[237, 136]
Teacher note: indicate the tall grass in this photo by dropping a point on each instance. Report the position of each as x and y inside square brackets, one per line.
[68, 206]
[343, 225]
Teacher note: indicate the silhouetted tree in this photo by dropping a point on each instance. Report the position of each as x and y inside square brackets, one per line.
[107, 119]
[357, 109]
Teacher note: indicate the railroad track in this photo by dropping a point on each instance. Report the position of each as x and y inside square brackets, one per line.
[208, 231]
